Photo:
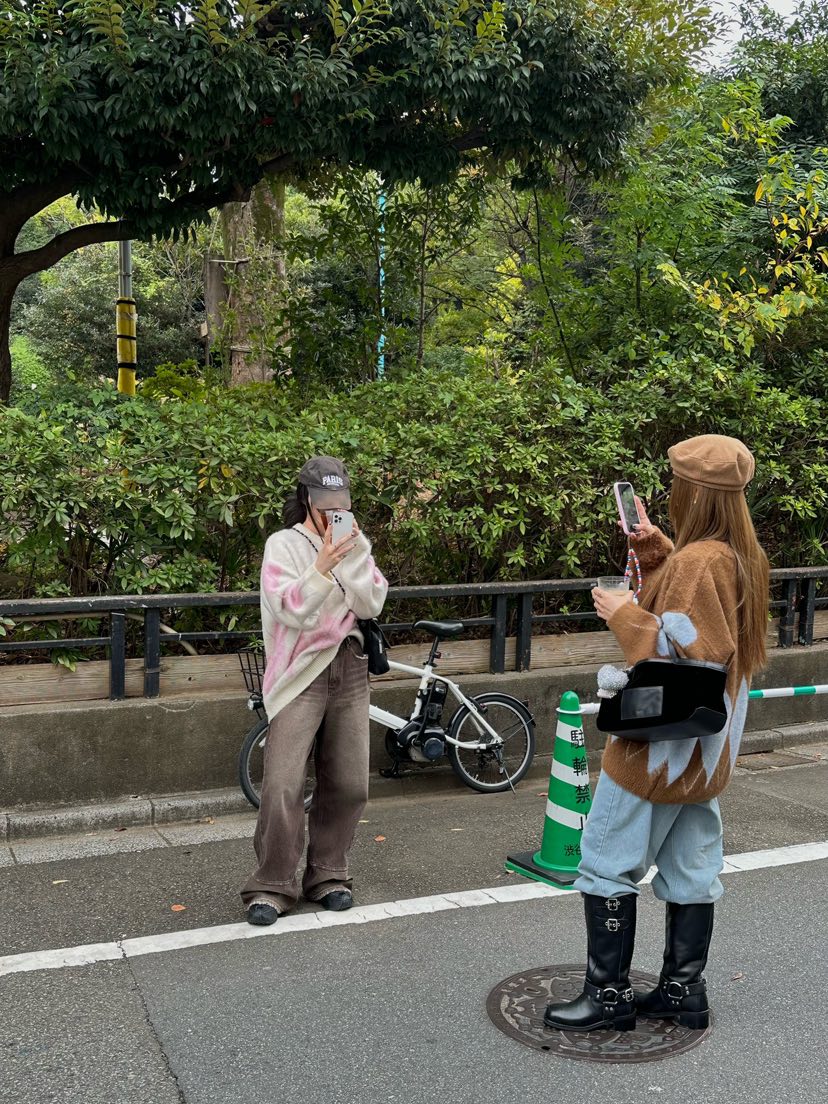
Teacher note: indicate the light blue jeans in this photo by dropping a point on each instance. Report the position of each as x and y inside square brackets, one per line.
[625, 835]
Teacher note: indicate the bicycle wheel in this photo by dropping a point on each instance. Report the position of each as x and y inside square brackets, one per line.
[251, 766]
[482, 769]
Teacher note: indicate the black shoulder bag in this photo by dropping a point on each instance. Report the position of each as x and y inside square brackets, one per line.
[375, 645]
[667, 699]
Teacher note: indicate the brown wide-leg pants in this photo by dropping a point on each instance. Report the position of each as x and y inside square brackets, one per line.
[334, 709]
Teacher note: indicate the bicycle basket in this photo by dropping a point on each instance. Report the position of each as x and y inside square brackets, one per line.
[252, 661]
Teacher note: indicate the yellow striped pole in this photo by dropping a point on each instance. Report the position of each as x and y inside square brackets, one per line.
[126, 322]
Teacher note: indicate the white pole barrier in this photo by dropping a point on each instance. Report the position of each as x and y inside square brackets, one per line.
[790, 692]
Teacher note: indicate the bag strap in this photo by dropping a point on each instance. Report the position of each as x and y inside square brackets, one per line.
[316, 550]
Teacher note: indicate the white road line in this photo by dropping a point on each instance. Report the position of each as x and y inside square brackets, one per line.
[778, 856]
[365, 914]
[57, 959]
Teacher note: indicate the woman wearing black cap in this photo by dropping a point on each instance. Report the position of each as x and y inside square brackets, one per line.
[313, 592]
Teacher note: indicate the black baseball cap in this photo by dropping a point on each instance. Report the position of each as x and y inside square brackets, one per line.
[328, 484]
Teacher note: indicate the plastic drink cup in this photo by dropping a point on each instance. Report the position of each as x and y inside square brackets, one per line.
[614, 583]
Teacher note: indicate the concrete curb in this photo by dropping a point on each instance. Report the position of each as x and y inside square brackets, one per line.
[174, 808]
[129, 813]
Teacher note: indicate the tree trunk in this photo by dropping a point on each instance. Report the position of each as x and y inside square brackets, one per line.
[253, 234]
[639, 241]
[6, 296]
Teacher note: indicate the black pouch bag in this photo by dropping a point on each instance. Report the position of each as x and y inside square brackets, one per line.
[375, 646]
[667, 699]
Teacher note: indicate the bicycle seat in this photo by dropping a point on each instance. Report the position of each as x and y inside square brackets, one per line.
[441, 629]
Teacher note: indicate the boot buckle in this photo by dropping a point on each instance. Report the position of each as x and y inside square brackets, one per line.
[613, 904]
[612, 924]
[675, 991]
[626, 995]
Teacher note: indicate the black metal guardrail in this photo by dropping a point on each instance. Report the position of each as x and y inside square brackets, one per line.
[797, 603]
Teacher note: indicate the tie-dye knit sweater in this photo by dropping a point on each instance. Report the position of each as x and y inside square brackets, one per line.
[305, 615]
[693, 601]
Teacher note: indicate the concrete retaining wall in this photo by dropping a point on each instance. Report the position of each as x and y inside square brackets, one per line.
[100, 751]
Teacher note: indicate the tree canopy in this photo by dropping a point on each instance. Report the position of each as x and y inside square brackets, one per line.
[156, 111]
[540, 342]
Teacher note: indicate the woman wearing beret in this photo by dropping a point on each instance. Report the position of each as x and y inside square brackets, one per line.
[704, 598]
[315, 690]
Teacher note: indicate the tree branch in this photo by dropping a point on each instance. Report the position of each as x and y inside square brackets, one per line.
[550, 300]
[36, 260]
[20, 204]
[21, 265]
[473, 140]
[279, 164]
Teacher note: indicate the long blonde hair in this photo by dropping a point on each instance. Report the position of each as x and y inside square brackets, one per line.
[702, 513]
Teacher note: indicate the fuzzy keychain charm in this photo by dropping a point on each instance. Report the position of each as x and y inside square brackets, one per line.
[610, 680]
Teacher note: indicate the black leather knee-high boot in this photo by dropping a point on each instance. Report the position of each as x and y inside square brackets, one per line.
[607, 1000]
[681, 993]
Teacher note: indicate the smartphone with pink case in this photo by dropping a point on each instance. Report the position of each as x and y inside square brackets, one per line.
[627, 509]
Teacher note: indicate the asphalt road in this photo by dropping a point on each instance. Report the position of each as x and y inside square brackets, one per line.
[392, 1010]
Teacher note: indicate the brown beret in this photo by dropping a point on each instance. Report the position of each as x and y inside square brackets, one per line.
[722, 463]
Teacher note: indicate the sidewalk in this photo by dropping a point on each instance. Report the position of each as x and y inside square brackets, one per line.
[157, 811]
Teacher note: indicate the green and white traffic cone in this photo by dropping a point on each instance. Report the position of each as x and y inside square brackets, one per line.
[567, 806]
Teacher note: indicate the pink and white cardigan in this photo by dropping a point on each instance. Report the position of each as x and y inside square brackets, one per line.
[305, 615]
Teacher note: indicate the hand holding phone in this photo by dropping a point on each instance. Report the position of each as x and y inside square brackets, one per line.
[342, 525]
[339, 540]
[634, 520]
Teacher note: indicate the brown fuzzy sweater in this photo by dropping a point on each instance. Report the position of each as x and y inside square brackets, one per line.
[692, 599]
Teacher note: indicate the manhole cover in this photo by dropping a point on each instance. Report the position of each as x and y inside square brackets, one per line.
[516, 1006]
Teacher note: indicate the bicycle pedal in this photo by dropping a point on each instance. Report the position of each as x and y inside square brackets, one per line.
[392, 772]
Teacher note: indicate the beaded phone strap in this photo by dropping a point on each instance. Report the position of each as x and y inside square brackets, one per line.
[634, 565]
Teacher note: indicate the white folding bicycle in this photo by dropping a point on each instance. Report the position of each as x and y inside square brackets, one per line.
[489, 740]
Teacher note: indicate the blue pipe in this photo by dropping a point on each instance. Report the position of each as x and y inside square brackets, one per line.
[381, 341]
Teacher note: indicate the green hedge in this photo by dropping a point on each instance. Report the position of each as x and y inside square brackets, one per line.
[459, 474]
